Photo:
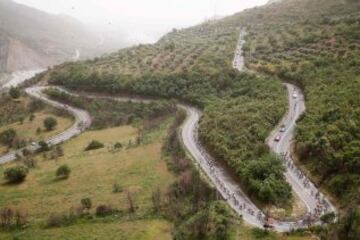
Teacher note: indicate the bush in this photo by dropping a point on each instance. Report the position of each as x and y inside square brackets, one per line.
[104, 210]
[15, 92]
[118, 146]
[43, 146]
[86, 203]
[29, 162]
[50, 123]
[12, 217]
[63, 172]
[260, 233]
[328, 218]
[94, 145]
[7, 137]
[55, 220]
[16, 174]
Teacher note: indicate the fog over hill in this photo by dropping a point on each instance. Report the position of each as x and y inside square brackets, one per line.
[30, 38]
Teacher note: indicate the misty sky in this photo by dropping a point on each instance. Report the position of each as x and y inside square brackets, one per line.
[158, 16]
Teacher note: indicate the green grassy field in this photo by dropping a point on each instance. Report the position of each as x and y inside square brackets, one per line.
[139, 170]
[27, 129]
[129, 230]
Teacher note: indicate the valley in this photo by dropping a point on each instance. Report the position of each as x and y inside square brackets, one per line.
[252, 118]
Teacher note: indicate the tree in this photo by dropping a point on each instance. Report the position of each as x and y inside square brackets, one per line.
[50, 123]
[94, 145]
[63, 172]
[16, 174]
[7, 137]
[15, 92]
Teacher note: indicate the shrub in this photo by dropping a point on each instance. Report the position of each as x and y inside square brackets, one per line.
[32, 117]
[50, 123]
[29, 162]
[36, 105]
[94, 145]
[104, 210]
[63, 172]
[12, 217]
[86, 203]
[15, 92]
[328, 218]
[57, 152]
[26, 152]
[7, 137]
[16, 174]
[260, 233]
[55, 220]
[43, 146]
[118, 146]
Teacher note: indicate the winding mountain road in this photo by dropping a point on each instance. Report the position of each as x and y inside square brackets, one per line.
[317, 204]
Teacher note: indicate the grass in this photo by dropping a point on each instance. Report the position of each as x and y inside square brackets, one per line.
[246, 233]
[138, 169]
[295, 210]
[133, 230]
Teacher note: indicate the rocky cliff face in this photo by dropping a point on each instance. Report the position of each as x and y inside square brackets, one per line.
[30, 38]
[15, 55]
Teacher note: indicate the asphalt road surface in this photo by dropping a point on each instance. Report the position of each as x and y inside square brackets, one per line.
[279, 141]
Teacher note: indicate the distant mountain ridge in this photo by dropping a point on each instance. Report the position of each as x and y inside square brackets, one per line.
[30, 38]
[273, 1]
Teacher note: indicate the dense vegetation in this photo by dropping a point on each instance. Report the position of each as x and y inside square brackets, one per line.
[14, 111]
[237, 135]
[321, 55]
[110, 113]
[193, 205]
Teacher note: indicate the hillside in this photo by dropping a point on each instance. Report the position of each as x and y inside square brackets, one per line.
[320, 54]
[314, 44]
[32, 39]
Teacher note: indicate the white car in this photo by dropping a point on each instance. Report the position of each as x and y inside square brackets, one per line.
[295, 95]
[277, 138]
